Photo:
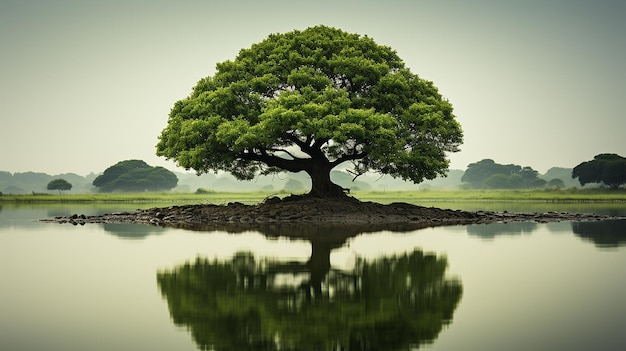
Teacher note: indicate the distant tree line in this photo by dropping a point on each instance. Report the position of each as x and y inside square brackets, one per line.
[604, 170]
[128, 176]
[487, 174]
[607, 170]
[29, 182]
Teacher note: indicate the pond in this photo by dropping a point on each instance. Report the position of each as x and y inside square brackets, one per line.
[515, 286]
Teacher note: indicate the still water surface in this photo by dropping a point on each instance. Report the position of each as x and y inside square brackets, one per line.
[516, 286]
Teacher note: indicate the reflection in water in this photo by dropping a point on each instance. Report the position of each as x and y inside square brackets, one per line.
[131, 230]
[602, 233]
[58, 212]
[492, 230]
[390, 303]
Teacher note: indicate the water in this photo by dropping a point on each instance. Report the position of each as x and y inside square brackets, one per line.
[516, 286]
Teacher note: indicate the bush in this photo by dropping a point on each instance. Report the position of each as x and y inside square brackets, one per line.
[204, 191]
[135, 176]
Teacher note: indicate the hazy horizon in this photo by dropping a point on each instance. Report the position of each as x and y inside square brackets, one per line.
[88, 84]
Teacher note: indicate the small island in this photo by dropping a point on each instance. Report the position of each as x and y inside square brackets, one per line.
[315, 211]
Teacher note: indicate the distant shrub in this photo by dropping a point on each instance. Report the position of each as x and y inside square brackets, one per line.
[204, 191]
[135, 176]
[556, 183]
[59, 184]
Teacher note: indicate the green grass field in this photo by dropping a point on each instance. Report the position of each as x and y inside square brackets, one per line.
[565, 195]
[549, 195]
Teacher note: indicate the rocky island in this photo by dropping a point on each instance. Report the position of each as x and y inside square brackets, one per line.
[312, 210]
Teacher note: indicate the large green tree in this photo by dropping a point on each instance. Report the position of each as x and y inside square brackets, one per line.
[135, 175]
[608, 169]
[309, 101]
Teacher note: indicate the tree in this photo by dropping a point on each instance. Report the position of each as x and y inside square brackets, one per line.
[608, 169]
[135, 175]
[309, 101]
[501, 181]
[491, 175]
[59, 184]
[477, 173]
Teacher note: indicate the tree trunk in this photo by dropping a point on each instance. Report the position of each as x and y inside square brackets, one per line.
[319, 266]
[321, 185]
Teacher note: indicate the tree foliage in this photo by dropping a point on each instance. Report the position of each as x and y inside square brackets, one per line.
[135, 175]
[59, 184]
[487, 174]
[607, 169]
[309, 101]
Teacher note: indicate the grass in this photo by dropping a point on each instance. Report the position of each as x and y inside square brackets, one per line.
[249, 197]
[552, 195]
[537, 195]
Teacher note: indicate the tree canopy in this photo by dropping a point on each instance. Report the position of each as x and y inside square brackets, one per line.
[309, 101]
[135, 175]
[59, 184]
[487, 174]
[607, 169]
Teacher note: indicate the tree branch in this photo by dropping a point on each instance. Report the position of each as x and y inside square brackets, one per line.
[295, 165]
[303, 145]
[319, 142]
[350, 157]
[356, 174]
[287, 152]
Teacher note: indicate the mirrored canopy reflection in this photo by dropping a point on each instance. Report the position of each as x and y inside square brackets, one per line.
[492, 230]
[605, 234]
[246, 302]
[132, 231]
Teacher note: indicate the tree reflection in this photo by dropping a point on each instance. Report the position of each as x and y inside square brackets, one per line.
[132, 230]
[491, 230]
[608, 233]
[390, 303]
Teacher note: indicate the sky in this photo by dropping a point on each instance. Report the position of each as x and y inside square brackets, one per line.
[85, 84]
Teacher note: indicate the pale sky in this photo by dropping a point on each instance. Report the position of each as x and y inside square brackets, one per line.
[85, 84]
